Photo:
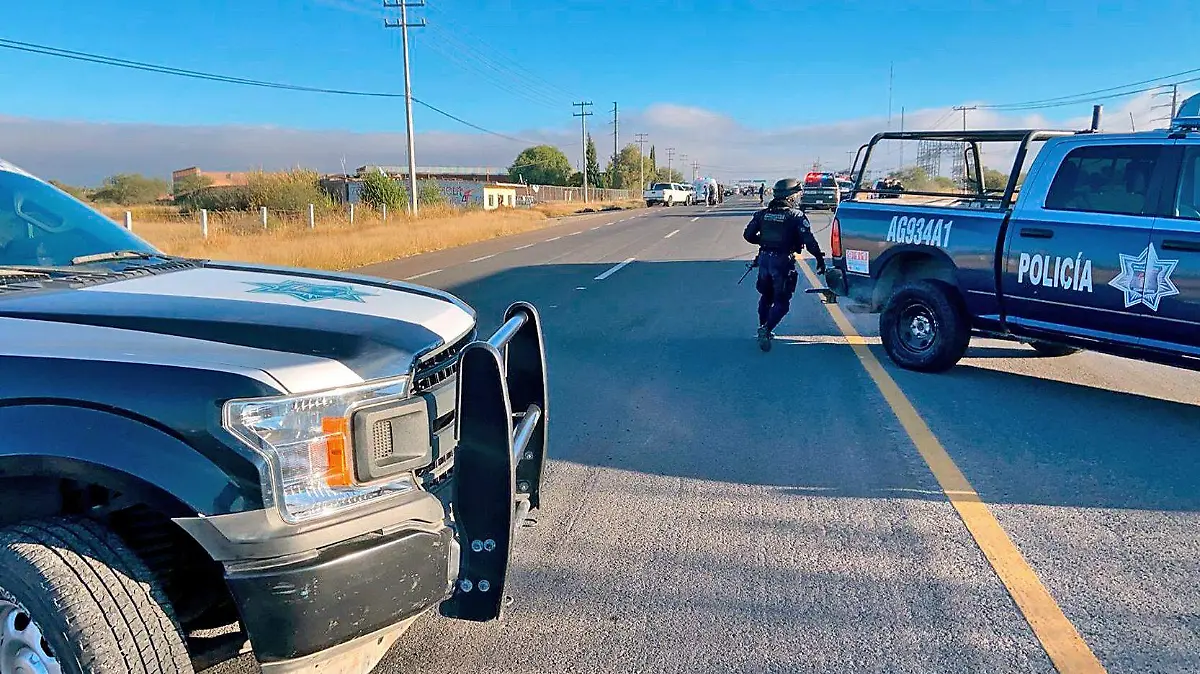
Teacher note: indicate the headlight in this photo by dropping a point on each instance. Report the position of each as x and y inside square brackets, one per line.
[308, 468]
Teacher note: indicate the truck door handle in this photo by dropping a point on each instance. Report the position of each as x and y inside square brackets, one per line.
[1037, 233]
[1179, 244]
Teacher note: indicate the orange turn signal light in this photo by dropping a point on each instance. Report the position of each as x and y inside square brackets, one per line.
[337, 454]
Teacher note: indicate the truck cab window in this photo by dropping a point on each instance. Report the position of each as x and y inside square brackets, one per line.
[1187, 200]
[1104, 179]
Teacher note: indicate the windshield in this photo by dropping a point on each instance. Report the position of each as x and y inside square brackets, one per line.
[42, 226]
[661, 186]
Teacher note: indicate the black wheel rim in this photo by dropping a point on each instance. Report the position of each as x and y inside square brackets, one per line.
[918, 328]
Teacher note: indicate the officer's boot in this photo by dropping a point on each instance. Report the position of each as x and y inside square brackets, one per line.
[764, 338]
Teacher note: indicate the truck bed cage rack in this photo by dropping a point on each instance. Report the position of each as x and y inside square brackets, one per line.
[977, 135]
[972, 138]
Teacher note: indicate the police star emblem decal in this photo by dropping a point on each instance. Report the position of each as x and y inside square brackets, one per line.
[1145, 279]
[310, 292]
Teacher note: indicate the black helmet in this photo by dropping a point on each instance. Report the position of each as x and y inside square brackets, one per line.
[787, 187]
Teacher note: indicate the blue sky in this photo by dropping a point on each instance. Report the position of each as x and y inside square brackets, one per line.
[516, 66]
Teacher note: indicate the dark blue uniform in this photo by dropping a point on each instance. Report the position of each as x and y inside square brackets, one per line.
[779, 231]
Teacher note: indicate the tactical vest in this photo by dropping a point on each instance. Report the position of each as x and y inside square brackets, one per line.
[774, 227]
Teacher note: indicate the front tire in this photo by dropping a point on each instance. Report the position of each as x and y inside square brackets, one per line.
[670, 202]
[924, 327]
[75, 599]
[1053, 350]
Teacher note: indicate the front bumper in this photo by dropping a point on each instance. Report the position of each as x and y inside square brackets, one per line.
[332, 608]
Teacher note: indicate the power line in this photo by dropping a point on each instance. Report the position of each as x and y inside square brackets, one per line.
[1094, 92]
[100, 59]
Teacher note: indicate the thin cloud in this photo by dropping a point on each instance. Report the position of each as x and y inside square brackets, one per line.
[85, 152]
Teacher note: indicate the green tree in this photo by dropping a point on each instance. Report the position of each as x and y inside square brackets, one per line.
[131, 188]
[665, 175]
[541, 165]
[595, 177]
[82, 193]
[191, 183]
[625, 168]
[379, 190]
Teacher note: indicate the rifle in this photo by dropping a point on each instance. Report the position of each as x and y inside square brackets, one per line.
[749, 265]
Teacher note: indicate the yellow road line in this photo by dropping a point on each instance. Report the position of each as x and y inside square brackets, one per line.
[1067, 650]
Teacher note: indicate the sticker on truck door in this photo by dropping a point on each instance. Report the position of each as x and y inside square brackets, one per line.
[1145, 279]
[921, 231]
[858, 261]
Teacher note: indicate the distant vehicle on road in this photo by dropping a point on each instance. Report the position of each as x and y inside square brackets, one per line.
[888, 188]
[667, 194]
[1098, 250]
[820, 192]
[304, 461]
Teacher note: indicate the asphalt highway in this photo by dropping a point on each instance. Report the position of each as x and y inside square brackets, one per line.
[711, 508]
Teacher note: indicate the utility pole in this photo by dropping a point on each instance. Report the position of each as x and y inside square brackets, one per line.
[404, 25]
[963, 109]
[901, 142]
[891, 76]
[1174, 102]
[616, 147]
[683, 160]
[670, 156]
[583, 114]
[641, 141]
[695, 168]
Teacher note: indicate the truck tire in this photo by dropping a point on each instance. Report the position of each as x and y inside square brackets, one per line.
[924, 327]
[1053, 350]
[670, 201]
[72, 594]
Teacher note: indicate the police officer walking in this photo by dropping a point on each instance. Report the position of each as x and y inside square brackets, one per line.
[762, 189]
[780, 231]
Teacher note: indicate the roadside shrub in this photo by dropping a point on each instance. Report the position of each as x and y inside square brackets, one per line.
[429, 194]
[379, 190]
[225, 198]
[288, 191]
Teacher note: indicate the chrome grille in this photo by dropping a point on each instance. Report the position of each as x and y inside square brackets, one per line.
[440, 366]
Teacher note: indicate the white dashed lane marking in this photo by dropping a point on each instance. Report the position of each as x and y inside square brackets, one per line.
[554, 239]
[528, 245]
[481, 259]
[615, 269]
[671, 234]
[695, 218]
[423, 275]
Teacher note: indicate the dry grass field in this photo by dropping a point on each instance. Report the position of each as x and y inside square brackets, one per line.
[334, 243]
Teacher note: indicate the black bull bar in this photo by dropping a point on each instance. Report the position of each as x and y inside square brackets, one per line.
[500, 456]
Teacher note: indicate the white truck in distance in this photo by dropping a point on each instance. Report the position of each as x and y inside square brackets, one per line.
[667, 194]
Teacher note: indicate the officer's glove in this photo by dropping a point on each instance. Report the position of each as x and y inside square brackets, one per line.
[821, 264]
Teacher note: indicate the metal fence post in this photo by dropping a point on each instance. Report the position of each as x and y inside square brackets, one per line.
[262, 212]
[312, 220]
[351, 214]
[204, 221]
[385, 212]
[129, 221]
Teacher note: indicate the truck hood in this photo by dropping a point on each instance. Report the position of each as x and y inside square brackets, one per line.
[306, 329]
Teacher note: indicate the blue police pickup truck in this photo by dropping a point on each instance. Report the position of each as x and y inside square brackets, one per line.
[1095, 247]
